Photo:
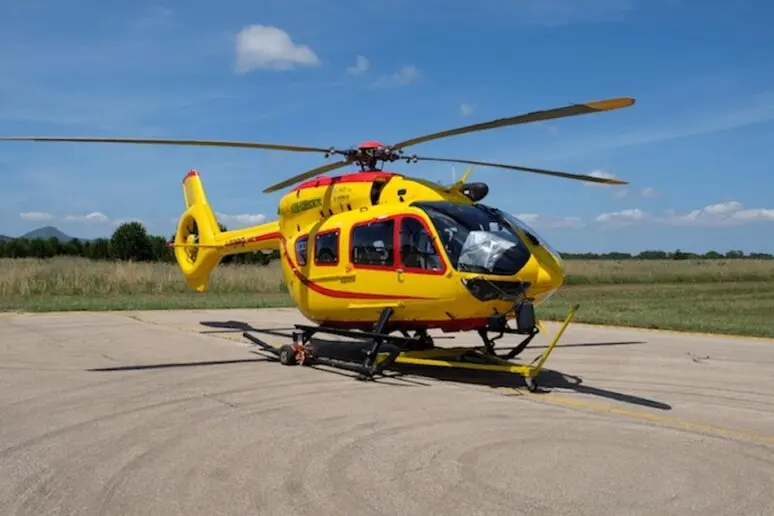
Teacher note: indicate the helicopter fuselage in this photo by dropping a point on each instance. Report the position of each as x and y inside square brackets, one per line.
[355, 244]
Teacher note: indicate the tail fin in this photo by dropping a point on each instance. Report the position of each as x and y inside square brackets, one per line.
[200, 244]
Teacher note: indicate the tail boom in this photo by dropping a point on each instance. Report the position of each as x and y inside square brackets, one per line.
[200, 244]
[263, 237]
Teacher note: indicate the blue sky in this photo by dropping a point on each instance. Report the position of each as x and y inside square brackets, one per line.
[697, 146]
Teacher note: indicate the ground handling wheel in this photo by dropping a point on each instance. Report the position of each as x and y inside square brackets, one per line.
[287, 355]
[532, 383]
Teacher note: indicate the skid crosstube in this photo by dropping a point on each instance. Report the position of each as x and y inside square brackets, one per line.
[376, 361]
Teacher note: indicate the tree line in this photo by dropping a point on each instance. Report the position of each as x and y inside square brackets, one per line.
[131, 241]
[668, 255]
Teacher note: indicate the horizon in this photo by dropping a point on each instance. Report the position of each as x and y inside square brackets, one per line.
[696, 146]
[747, 253]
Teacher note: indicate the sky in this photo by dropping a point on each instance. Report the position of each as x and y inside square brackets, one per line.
[697, 147]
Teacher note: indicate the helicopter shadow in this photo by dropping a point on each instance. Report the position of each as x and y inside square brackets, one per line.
[338, 349]
[354, 351]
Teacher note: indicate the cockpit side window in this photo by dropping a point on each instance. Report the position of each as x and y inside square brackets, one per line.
[417, 250]
[301, 245]
[372, 244]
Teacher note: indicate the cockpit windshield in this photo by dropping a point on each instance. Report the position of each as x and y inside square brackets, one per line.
[477, 238]
[531, 233]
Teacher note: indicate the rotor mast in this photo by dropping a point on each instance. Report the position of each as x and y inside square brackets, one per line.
[369, 154]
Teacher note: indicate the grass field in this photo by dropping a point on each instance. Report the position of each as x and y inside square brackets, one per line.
[719, 296]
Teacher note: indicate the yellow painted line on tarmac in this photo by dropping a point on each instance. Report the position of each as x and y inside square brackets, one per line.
[565, 401]
[667, 332]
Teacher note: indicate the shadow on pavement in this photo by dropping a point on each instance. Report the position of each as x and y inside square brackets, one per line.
[399, 374]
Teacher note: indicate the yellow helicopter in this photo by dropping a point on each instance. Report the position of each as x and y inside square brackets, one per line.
[373, 252]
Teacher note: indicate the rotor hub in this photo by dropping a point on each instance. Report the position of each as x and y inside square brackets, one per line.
[370, 144]
[369, 153]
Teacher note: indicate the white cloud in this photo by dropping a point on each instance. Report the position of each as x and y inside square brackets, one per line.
[725, 214]
[94, 217]
[240, 220]
[621, 218]
[361, 65]
[270, 48]
[548, 221]
[36, 216]
[730, 213]
[721, 214]
[645, 193]
[467, 109]
[402, 77]
[569, 222]
[620, 194]
[753, 215]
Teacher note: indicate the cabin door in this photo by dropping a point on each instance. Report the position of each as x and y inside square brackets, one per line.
[395, 257]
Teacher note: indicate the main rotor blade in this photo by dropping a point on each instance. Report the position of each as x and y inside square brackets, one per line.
[164, 141]
[535, 116]
[306, 175]
[528, 169]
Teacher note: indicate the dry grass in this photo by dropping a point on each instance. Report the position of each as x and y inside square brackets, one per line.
[596, 272]
[66, 276]
[723, 296]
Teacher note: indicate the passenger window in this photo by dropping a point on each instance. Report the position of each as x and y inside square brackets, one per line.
[416, 246]
[326, 248]
[372, 244]
[301, 244]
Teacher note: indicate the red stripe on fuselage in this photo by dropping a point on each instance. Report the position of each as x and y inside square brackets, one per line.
[357, 177]
[253, 239]
[445, 325]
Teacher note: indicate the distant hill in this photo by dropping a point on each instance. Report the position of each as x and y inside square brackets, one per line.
[45, 233]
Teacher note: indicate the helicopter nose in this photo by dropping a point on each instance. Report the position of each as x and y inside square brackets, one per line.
[549, 278]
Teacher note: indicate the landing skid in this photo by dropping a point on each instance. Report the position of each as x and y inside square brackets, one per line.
[418, 350]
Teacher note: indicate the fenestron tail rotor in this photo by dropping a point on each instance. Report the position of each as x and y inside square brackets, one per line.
[368, 155]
